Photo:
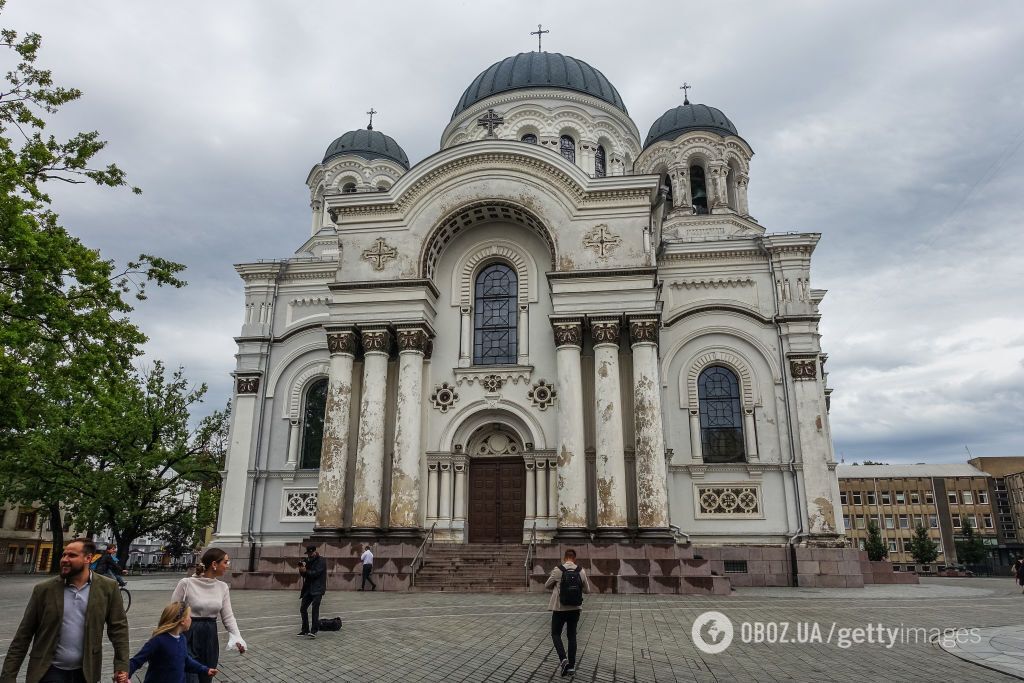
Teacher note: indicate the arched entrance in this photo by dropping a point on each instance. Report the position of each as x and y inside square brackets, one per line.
[497, 486]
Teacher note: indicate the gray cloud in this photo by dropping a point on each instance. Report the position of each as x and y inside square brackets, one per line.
[897, 139]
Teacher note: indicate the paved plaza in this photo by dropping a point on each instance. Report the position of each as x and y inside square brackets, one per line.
[412, 637]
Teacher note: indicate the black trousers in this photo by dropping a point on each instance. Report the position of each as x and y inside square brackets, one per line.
[55, 675]
[568, 619]
[367, 570]
[203, 646]
[313, 600]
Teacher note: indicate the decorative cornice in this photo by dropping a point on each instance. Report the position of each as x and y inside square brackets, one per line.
[719, 308]
[507, 373]
[386, 284]
[718, 255]
[611, 272]
[712, 283]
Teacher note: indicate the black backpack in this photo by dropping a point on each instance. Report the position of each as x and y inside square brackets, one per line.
[330, 624]
[570, 588]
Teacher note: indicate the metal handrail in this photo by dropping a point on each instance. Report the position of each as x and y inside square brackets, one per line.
[421, 554]
[529, 554]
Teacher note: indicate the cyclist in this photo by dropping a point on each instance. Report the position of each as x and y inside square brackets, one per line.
[107, 565]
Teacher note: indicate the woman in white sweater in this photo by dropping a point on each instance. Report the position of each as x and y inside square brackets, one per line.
[209, 599]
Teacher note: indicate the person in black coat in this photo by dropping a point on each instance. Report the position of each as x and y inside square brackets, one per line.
[314, 584]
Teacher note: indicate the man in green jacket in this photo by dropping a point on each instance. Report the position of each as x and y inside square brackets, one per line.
[64, 623]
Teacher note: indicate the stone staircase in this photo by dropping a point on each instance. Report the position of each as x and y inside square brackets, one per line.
[475, 567]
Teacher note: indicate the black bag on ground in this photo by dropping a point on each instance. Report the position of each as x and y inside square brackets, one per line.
[570, 588]
[330, 624]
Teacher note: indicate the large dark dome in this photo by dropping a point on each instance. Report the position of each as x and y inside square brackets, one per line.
[539, 70]
[369, 144]
[687, 117]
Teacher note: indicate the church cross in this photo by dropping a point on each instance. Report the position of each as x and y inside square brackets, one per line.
[380, 253]
[490, 121]
[602, 241]
[684, 87]
[371, 113]
[538, 33]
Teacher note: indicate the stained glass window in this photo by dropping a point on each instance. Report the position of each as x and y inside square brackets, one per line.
[599, 162]
[568, 148]
[494, 316]
[530, 138]
[721, 417]
[315, 406]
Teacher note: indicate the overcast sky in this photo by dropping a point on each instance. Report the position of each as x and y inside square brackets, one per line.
[894, 129]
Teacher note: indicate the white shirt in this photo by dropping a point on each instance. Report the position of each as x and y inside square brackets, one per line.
[367, 557]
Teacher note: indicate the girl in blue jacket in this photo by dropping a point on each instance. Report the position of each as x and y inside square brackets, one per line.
[166, 651]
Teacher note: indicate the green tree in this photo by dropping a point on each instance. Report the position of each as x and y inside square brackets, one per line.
[875, 546]
[970, 550]
[63, 308]
[923, 549]
[143, 468]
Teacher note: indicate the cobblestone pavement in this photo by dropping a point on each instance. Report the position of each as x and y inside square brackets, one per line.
[413, 637]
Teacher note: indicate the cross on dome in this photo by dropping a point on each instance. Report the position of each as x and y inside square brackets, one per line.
[371, 113]
[538, 33]
[684, 87]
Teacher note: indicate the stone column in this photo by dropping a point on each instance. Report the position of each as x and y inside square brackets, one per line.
[651, 471]
[750, 436]
[432, 476]
[553, 491]
[609, 445]
[294, 431]
[465, 337]
[696, 446]
[405, 471]
[459, 506]
[334, 451]
[317, 207]
[366, 504]
[815, 447]
[542, 489]
[571, 476]
[524, 333]
[741, 194]
[243, 418]
[531, 493]
[445, 494]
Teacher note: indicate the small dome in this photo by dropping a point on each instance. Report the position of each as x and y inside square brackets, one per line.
[369, 144]
[539, 70]
[686, 117]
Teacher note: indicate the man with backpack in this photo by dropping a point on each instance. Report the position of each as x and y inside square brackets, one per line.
[568, 583]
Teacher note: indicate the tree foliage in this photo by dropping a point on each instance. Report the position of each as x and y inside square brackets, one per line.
[64, 309]
[877, 550]
[923, 549]
[971, 550]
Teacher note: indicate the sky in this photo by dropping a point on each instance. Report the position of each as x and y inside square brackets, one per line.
[893, 129]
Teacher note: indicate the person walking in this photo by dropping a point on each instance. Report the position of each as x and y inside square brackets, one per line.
[568, 582]
[1018, 571]
[314, 584]
[108, 565]
[367, 559]
[64, 623]
[166, 652]
[209, 598]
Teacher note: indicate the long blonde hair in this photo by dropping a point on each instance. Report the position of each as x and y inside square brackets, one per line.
[171, 617]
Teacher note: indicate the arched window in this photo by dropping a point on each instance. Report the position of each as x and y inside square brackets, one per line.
[666, 188]
[698, 189]
[494, 316]
[568, 147]
[315, 405]
[721, 416]
[530, 138]
[599, 162]
[383, 187]
[349, 187]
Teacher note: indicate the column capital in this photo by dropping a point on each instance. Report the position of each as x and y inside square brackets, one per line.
[413, 339]
[247, 383]
[803, 367]
[643, 330]
[605, 331]
[568, 332]
[376, 341]
[341, 341]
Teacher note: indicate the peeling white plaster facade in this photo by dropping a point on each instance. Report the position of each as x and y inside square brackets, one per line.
[627, 289]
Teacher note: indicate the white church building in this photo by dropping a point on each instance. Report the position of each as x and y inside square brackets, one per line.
[553, 329]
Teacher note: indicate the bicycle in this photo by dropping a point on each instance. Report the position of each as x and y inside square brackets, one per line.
[126, 598]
